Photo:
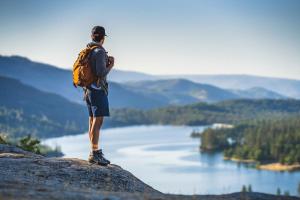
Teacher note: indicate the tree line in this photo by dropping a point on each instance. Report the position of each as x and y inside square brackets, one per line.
[231, 111]
[260, 140]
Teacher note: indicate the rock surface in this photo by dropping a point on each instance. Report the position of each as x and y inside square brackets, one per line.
[24, 175]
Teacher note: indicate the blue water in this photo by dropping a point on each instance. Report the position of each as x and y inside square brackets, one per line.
[166, 158]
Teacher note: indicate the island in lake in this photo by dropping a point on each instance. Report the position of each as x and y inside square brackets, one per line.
[273, 144]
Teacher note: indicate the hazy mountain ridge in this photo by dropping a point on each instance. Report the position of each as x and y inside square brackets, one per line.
[55, 80]
[258, 93]
[39, 75]
[121, 76]
[181, 91]
[283, 86]
[120, 96]
[146, 91]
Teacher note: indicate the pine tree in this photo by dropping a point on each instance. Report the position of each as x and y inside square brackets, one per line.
[249, 188]
[286, 193]
[30, 144]
[278, 192]
[244, 189]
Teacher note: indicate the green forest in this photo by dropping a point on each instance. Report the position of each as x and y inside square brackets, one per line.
[25, 110]
[46, 117]
[271, 140]
[17, 123]
[232, 111]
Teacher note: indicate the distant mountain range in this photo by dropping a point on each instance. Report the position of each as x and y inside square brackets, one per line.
[257, 93]
[121, 76]
[286, 87]
[282, 86]
[39, 99]
[180, 91]
[39, 75]
[137, 90]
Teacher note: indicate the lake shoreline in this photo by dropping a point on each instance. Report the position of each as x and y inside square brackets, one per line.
[279, 167]
[239, 160]
[267, 166]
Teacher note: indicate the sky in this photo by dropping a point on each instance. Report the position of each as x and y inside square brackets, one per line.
[256, 37]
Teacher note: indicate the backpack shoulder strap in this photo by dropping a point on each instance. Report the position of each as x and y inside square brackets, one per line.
[94, 47]
[91, 49]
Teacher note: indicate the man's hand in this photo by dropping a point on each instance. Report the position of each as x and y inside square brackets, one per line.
[111, 61]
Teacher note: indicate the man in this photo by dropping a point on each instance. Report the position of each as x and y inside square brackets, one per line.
[96, 94]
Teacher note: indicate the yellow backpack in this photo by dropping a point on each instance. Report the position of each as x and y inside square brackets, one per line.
[83, 75]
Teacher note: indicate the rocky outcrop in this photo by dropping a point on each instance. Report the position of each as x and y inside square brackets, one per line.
[24, 175]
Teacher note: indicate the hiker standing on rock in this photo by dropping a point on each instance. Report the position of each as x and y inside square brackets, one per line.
[90, 71]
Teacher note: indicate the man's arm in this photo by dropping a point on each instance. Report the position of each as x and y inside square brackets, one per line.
[101, 64]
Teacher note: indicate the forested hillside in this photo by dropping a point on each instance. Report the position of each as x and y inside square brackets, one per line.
[233, 111]
[26, 110]
[261, 140]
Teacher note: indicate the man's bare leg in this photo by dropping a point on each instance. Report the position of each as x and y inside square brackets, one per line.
[95, 132]
[96, 155]
[90, 128]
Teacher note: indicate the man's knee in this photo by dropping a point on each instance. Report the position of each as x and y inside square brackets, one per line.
[97, 121]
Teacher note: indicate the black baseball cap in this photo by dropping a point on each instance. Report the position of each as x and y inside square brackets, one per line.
[98, 30]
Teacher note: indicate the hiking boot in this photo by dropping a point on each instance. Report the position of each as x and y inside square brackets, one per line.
[98, 157]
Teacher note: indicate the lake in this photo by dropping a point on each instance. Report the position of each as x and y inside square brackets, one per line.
[168, 159]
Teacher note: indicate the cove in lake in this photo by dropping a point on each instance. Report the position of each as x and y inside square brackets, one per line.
[168, 159]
